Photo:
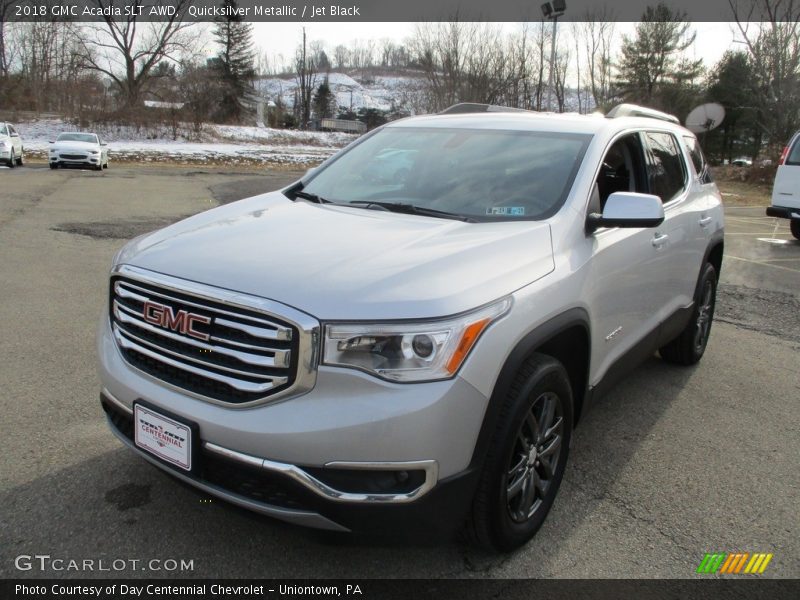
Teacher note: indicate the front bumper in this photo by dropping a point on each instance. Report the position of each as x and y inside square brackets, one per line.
[291, 494]
[329, 450]
[90, 160]
[783, 212]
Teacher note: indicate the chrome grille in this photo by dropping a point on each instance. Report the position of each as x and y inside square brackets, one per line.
[216, 349]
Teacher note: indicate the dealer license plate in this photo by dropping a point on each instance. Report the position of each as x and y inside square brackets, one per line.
[163, 437]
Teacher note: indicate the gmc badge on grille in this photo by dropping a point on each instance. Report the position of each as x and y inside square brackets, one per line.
[182, 322]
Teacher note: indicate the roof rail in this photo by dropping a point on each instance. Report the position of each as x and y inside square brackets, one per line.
[633, 110]
[474, 107]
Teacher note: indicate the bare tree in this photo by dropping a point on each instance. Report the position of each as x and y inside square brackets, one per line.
[5, 12]
[126, 51]
[597, 34]
[306, 69]
[341, 57]
[771, 32]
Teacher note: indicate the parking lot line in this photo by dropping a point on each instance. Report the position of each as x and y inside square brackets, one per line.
[758, 262]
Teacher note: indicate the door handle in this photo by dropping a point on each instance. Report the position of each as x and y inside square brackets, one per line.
[705, 221]
[660, 239]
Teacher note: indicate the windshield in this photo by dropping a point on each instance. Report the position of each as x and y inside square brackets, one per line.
[77, 137]
[484, 174]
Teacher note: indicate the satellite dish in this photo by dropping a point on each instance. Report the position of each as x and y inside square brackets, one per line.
[705, 117]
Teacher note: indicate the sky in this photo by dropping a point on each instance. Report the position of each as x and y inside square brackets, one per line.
[282, 38]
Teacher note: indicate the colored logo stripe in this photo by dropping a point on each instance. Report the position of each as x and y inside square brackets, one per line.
[734, 563]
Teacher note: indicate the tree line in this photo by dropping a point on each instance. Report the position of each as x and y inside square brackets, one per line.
[107, 70]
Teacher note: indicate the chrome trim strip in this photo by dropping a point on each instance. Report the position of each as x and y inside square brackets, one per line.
[280, 332]
[238, 384]
[431, 468]
[259, 332]
[116, 401]
[280, 360]
[204, 364]
[300, 517]
[308, 342]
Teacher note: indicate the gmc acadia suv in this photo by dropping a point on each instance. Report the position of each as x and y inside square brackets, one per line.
[408, 334]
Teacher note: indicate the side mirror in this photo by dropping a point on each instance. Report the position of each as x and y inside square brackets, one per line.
[308, 172]
[628, 209]
[103, 144]
[52, 142]
[15, 134]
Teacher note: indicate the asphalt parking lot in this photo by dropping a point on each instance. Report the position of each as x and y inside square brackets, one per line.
[672, 464]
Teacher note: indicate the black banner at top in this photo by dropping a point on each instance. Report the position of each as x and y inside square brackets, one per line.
[383, 10]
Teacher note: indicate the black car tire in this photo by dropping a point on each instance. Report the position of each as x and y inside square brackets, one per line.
[688, 348]
[12, 161]
[794, 227]
[526, 459]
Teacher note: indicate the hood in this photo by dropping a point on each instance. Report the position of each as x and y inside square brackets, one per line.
[348, 263]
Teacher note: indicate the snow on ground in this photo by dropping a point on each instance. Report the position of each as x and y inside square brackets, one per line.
[216, 143]
[382, 93]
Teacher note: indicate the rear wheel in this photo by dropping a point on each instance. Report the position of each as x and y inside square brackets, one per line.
[688, 348]
[12, 160]
[794, 227]
[21, 160]
[527, 457]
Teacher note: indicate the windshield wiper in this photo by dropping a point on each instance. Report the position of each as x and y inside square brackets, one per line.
[310, 197]
[413, 209]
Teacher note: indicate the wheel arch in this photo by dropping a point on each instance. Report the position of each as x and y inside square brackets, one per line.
[566, 338]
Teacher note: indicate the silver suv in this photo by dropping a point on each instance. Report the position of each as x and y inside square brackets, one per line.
[408, 335]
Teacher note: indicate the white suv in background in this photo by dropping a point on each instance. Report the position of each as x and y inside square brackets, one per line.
[786, 189]
[11, 150]
[406, 337]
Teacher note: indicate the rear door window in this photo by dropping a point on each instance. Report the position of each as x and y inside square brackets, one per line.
[698, 159]
[667, 170]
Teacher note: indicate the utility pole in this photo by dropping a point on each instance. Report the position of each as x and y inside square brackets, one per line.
[553, 10]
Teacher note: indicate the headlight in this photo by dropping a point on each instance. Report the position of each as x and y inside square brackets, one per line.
[3, 144]
[95, 151]
[409, 352]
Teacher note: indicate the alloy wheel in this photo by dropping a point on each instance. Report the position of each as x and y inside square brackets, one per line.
[533, 462]
[704, 314]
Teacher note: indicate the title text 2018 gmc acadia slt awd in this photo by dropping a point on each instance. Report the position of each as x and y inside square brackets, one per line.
[409, 333]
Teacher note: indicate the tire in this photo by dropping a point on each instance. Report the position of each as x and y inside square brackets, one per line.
[21, 160]
[53, 165]
[12, 161]
[98, 167]
[794, 227]
[688, 348]
[517, 487]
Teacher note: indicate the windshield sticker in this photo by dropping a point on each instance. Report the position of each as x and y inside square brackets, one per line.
[506, 211]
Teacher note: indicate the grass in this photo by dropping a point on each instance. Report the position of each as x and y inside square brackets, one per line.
[738, 188]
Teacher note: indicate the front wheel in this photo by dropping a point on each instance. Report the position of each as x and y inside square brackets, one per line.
[688, 348]
[794, 227]
[527, 457]
[12, 161]
[21, 160]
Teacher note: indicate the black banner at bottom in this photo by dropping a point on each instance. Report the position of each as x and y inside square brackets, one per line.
[407, 589]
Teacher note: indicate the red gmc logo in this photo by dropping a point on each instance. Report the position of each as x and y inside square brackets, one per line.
[182, 322]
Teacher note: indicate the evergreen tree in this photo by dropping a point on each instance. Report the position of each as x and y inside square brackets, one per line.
[652, 61]
[324, 101]
[233, 65]
[733, 84]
